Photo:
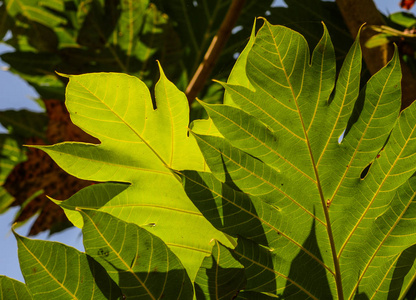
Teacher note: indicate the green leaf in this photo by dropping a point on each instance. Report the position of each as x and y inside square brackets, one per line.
[31, 63]
[221, 276]
[378, 40]
[55, 271]
[139, 262]
[24, 123]
[5, 200]
[315, 217]
[253, 295]
[404, 19]
[139, 145]
[11, 153]
[11, 289]
[5, 21]
[306, 17]
[35, 11]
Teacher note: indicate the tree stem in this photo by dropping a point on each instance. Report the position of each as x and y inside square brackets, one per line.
[211, 56]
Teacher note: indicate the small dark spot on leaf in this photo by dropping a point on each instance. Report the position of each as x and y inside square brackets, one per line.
[103, 252]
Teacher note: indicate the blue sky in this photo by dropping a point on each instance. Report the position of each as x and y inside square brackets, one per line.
[17, 94]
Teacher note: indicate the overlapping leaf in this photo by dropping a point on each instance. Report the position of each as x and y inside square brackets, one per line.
[221, 276]
[139, 262]
[316, 218]
[55, 271]
[139, 145]
[12, 289]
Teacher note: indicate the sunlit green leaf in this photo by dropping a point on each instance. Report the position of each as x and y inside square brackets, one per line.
[314, 217]
[404, 19]
[139, 145]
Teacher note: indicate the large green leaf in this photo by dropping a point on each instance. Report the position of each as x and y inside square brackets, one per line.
[315, 217]
[139, 145]
[139, 262]
[55, 271]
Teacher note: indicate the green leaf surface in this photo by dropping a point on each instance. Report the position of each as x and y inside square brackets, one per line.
[11, 289]
[11, 153]
[221, 276]
[5, 200]
[315, 217]
[55, 271]
[139, 145]
[139, 262]
[36, 11]
[253, 295]
[24, 123]
[404, 19]
[306, 17]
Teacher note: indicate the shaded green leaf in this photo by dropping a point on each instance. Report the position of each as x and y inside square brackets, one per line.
[221, 276]
[11, 153]
[55, 271]
[139, 262]
[11, 289]
[35, 11]
[24, 123]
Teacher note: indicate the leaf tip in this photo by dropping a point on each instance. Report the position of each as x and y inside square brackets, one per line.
[62, 74]
[360, 29]
[162, 74]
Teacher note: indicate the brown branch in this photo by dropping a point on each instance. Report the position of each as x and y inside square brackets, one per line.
[211, 56]
[358, 12]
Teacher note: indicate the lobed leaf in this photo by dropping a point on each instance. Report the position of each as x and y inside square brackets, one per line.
[315, 217]
[139, 146]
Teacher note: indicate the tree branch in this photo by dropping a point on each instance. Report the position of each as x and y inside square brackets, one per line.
[211, 56]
